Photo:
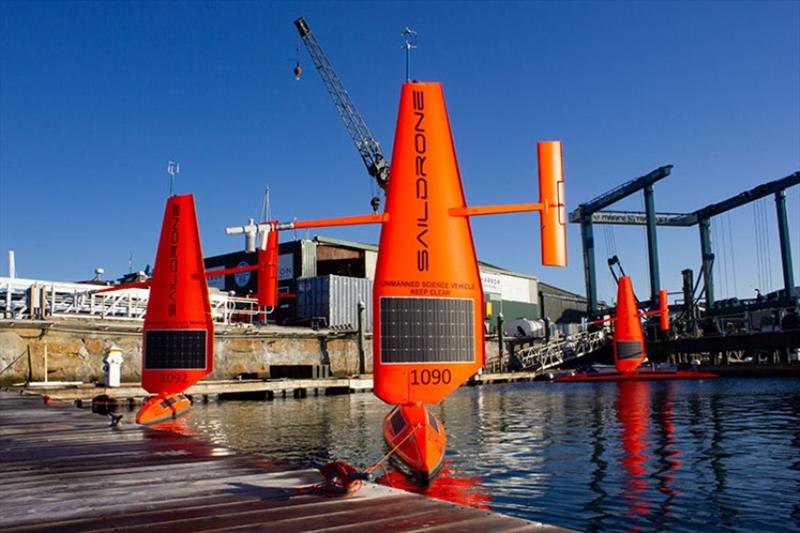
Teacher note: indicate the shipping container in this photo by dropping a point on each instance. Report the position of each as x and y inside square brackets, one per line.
[335, 300]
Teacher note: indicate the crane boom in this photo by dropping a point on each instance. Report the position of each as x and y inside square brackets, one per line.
[368, 148]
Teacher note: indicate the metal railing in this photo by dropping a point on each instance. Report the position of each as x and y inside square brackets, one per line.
[22, 299]
[560, 350]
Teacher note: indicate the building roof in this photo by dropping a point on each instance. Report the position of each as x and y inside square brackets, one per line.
[486, 267]
[552, 289]
[346, 244]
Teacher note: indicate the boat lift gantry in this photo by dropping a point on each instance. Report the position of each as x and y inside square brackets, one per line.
[589, 213]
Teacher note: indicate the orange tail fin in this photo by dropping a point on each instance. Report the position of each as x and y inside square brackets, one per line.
[663, 308]
[551, 195]
[268, 269]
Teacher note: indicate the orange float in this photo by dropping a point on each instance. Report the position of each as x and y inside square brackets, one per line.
[418, 440]
[163, 407]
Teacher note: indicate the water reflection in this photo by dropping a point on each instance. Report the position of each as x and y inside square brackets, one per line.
[463, 490]
[721, 455]
[633, 410]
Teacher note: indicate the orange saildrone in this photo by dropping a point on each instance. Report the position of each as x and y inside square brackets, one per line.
[428, 301]
[428, 335]
[428, 314]
[178, 333]
[629, 343]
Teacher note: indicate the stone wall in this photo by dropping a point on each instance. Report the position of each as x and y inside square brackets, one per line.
[75, 350]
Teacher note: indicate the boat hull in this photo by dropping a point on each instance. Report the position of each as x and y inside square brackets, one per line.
[418, 440]
[637, 375]
[163, 407]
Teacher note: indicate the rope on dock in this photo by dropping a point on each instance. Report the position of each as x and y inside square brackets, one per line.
[343, 478]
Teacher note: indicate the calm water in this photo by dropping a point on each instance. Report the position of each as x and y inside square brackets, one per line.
[710, 455]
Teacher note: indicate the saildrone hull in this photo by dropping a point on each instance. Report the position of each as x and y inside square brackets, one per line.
[418, 439]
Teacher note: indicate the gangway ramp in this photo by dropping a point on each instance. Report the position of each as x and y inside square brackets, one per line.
[561, 350]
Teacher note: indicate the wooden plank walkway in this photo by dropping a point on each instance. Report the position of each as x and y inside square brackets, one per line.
[64, 469]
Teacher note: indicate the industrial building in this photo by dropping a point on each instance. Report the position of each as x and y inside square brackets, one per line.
[328, 277]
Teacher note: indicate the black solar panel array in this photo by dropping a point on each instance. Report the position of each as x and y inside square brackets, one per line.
[427, 330]
[629, 349]
[175, 349]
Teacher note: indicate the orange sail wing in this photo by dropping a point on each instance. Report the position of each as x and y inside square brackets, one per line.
[428, 298]
[178, 343]
[628, 336]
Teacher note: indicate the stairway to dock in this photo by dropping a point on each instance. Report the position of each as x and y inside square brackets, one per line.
[64, 469]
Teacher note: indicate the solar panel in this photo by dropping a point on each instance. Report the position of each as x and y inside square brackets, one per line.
[427, 330]
[629, 349]
[175, 349]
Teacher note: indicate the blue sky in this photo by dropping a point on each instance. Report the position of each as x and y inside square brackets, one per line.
[95, 98]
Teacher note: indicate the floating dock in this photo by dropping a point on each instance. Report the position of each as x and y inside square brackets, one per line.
[65, 470]
[205, 391]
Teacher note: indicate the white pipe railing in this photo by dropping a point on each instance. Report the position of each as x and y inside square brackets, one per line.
[19, 301]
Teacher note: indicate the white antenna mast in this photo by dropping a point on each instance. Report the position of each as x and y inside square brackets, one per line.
[266, 213]
[173, 169]
[409, 43]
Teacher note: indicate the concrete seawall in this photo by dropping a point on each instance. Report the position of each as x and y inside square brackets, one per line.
[74, 350]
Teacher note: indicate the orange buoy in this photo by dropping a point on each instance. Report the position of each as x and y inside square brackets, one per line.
[178, 333]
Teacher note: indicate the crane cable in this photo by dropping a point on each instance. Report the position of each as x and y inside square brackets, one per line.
[768, 255]
[721, 233]
[718, 227]
[733, 255]
[610, 242]
[757, 237]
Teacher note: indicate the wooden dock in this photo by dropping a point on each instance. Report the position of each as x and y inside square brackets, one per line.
[64, 469]
[208, 390]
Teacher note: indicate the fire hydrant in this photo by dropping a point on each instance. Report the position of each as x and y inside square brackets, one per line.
[112, 365]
